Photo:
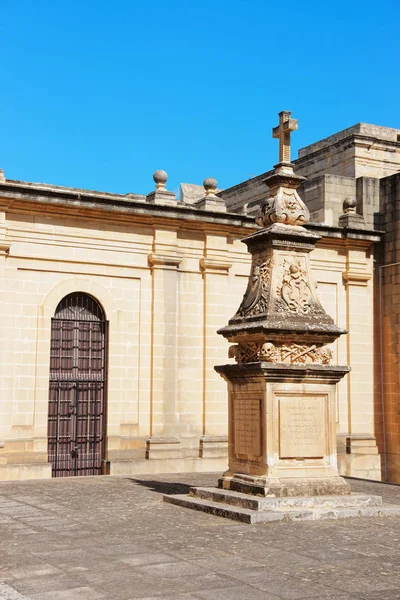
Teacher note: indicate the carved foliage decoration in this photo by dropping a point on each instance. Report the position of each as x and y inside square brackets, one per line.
[281, 353]
[255, 299]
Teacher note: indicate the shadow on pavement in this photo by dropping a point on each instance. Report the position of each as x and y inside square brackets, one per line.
[163, 487]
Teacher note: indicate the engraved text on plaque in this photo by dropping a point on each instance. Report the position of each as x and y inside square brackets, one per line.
[302, 426]
[247, 426]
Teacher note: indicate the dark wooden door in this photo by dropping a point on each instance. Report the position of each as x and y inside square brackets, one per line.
[77, 391]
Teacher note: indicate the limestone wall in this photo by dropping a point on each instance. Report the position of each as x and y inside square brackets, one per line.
[388, 327]
[324, 196]
[166, 286]
[363, 150]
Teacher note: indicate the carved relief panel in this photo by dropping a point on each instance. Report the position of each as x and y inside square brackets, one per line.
[255, 299]
[294, 289]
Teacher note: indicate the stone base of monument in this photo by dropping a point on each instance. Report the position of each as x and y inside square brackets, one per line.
[284, 487]
[282, 450]
[255, 509]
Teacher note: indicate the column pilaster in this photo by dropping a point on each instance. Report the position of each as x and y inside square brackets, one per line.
[164, 262]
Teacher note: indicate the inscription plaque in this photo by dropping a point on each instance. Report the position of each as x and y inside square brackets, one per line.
[247, 426]
[302, 427]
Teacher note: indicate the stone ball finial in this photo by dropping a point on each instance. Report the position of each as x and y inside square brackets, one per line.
[210, 185]
[160, 178]
[350, 205]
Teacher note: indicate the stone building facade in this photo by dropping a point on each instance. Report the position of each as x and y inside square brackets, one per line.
[110, 306]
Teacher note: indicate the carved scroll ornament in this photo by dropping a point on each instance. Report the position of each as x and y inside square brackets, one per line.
[256, 296]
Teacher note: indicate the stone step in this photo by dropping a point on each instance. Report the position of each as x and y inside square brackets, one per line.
[260, 504]
[246, 515]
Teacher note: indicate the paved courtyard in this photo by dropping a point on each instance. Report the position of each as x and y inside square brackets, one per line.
[113, 538]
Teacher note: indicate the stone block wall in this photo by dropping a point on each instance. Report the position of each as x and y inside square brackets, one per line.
[368, 202]
[388, 326]
[362, 150]
[324, 196]
[166, 286]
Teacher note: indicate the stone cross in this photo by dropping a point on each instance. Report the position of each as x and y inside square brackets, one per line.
[282, 132]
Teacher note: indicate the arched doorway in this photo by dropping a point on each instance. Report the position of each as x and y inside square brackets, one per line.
[77, 389]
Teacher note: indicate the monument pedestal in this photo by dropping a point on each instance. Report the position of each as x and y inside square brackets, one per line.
[282, 450]
[282, 429]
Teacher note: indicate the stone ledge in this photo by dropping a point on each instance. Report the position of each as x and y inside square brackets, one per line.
[15, 471]
[278, 371]
[214, 446]
[163, 448]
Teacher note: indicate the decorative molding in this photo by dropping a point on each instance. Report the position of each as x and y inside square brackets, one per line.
[5, 248]
[78, 284]
[356, 278]
[168, 260]
[214, 264]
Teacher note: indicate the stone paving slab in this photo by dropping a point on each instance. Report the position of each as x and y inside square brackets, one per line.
[113, 538]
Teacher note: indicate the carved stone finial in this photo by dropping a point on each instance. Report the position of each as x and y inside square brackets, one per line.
[160, 178]
[2, 177]
[161, 195]
[283, 204]
[282, 132]
[211, 201]
[350, 219]
[210, 186]
[350, 205]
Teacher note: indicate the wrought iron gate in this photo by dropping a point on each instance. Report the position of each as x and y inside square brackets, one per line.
[77, 391]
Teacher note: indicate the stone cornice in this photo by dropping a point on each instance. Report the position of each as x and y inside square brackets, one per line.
[351, 137]
[362, 236]
[30, 199]
[355, 139]
[275, 372]
[34, 198]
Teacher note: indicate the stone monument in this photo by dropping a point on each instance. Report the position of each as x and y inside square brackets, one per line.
[282, 438]
[282, 400]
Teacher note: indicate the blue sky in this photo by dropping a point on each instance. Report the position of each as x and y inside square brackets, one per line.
[100, 94]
